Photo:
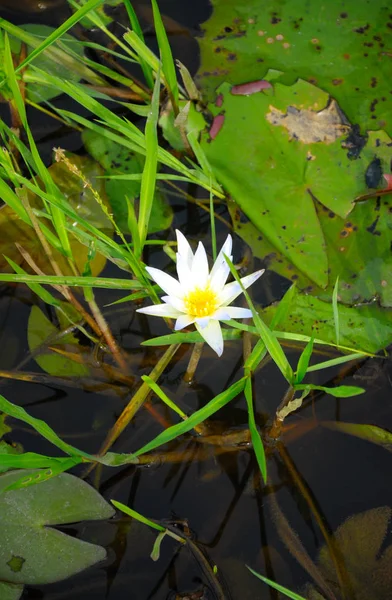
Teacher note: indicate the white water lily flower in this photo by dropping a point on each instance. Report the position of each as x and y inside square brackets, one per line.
[199, 296]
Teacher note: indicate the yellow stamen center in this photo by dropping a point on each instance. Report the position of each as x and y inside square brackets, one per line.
[201, 303]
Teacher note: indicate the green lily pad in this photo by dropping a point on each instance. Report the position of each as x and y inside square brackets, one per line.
[81, 199]
[41, 332]
[116, 160]
[10, 591]
[367, 328]
[31, 551]
[285, 157]
[342, 47]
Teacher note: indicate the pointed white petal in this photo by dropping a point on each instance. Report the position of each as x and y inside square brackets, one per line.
[202, 321]
[231, 312]
[233, 289]
[200, 267]
[212, 334]
[169, 285]
[160, 310]
[184, 249]
[177, 303]
[221, 270]
[184, 273]
[183, 321]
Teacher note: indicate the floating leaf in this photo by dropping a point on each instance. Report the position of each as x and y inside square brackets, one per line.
[10, 591]
[341, 47]
[31, 552]
[367, 328]
[116, 160]
[369, 433]
[289, 169]
[42, 332]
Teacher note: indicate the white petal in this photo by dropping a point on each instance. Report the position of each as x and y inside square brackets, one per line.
[202, 321]
[169, 285]
[175, 302]
[200, 267]
[231, 312]
[160, 310]
[233, 289]
[184, 272]
[183, 248]
[221, 269]
[212, 334]
[183, 321]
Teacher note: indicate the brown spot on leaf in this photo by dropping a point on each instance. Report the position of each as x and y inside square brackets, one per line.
[309, 126]
[337, 81]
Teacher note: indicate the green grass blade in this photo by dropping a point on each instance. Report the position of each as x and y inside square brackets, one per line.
[274, 348]
[198, 417]
[277, 586]
[257, 442]
[336, 310]
[135, 25]
[55, 35]
[168, 65]
[148, 182]
[161, 394]
[336, 361]
[35, 287]
[188, 338]
[17, 412]
[133, 513]
[341, 391]
[108, 283]
[303, 362]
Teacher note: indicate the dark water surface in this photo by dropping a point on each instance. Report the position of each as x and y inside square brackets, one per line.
[219, 495]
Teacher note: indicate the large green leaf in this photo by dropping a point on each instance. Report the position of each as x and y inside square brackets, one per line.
[367, 327]
[31, 552]
[116, 160]
[10, 591]
[343, 47]
[283, 156]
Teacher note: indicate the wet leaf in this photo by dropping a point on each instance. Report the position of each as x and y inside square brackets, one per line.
[369, 433]
[10, 591]
[42, 332]
[341, 47]
[31, 551]
[369, 565]
[367, 327]
[117, 160]
[13, 229]
[293, 178]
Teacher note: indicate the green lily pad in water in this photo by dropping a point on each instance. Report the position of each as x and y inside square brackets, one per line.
[342, 47]
[31, 551]
[286, 158]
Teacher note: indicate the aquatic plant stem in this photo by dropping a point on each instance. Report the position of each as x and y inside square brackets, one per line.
[111, 342]
[193, 361]
[276, 427]
[137, 400]
[336, 558]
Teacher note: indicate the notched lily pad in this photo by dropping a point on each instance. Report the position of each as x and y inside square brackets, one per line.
[32, 552]
[284, 174]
